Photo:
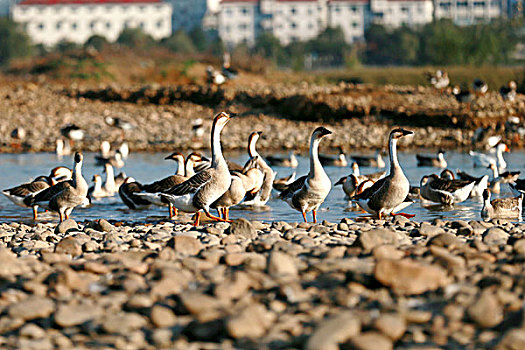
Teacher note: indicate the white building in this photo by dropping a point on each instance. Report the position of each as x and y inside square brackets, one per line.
[467, 12]
[352, 16]
[239, 21]
[51, 21]
[397, 13]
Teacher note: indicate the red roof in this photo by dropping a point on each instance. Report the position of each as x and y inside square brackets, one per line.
[84, 2]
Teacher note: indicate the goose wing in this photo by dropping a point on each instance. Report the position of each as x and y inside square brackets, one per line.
[464, 176]
[369, 192]
[164, 184]
[46, 194]
[27, 188]
[192, 185]
[449, 186]
[509, 204]
[294, 186]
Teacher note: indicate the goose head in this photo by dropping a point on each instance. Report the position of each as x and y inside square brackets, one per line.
[424, 180]
[355, 167]
[176, 156]
[194, 157]
[341, 181]
[221, 120]
[321, 132]
[513, 85]
[105, 147]
[129, 179]
[60, 173]
[96, 178]
[399, 133]
[502, 148]
[486, 195]
[447, 174]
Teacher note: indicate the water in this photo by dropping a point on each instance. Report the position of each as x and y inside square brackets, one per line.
[19, 168]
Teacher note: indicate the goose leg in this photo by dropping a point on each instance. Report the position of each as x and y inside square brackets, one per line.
[216, 218]
[35, 213]
[170, 208]
[304, 216]
[61, 216]
[197, 219]
[219, 212]
[227, 213]
[314, 213]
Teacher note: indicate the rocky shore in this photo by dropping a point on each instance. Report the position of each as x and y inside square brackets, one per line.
[352, 285]
[162, 116]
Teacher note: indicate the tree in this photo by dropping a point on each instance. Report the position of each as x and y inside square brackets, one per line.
[135, 38]
[96, 41]
[13, 41]
[64, 46]
[443, 43]
[179, 42]
[199, 39]
[268, 46]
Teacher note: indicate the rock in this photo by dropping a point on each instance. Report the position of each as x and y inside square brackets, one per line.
[10, 265]
[391, 325]
[104, 226]
[8, 324]
[495, 236]
[162, 338]
[513, 340]
[281, 264]
[387, 252]
[185, 245]
[31, 330]
[198, 304]
[123, 323]
[446, 240]
[66, 225]
[486, 311]
[69, 245]
[429, 230]
[73, 315]
[252, 322]
[519, 247]
[368, 240]
[162, 316]
[32, 308]
[371, 340]
[243, 228]
[333, 331]
[410, 277]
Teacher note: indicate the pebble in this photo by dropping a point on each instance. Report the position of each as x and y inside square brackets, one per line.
[69, 245]
[32, 308]
[333, 331]
[486, 311]
[280, 264]
[243, 228]
[371, 340]
[73, 315]
[368, 240]
[495, 236]
[186, 245]
[66, 226]
[162, 316]
[251, 322]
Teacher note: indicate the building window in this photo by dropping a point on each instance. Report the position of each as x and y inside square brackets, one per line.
[479, 3]
[244, 11]
[293, 10]
[142, 8]
[228, 11]
[404, 9]
[40, 26]
[160, 24]
[91, 8]
[243, 26]
[337, 9]
[108, 25]
[141, 25]
[310, 11]
[227, 29]
[293, 25]
[92, 24]
[462, 4]
[59, 25]
[74, 26]
[355, 24]
[354, 8]
[109, 8]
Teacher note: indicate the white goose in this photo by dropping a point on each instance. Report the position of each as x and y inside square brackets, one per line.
[389, 194]
[308, 192]
[205, 187]
[484, 160]
[502, 207]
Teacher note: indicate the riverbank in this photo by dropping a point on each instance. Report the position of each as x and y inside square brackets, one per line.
[358, 284]
[360, 115]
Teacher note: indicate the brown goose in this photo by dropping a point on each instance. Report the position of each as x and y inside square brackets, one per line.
[481, 183]
[388, 194]
[449, 192]
[502, 207]
[370, 161]
[152, 192]
[290, 161]
[261, 197]
[64, 196]
[128, 193]
[18, 193]
[339, 160]
[437, 161]
[201, 190]
[246, 182]
[308, 192]
[352, 181]
[283, 182]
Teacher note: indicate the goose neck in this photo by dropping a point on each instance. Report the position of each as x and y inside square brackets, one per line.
[189, 170]
[180, 166]
[315, 164]
[216, 151]
[252, 151]
[110, 177]
[394, 163]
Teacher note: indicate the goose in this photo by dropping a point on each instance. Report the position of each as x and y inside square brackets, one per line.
[72, 132]
[214, 76]
[97, 191]
[502, 207]
[261, 197]
[439, 80]
[281, 183]
[352, 181]
[18, 193]
[518, 186]
[484, 160]
[62, 148]
[484, 138]
[290, 162]
[480, 87]
[105, 149]
[128, 193]
[407, 202]
[462, 95]
[308, 192]
[115, 160]
[339, 160]
[109, 184]
[123, 149]
[508, 93]
[120, 178]
[504, 177]
[449, 192]
[480, 183]
[119, 123]
[179, 159]
[202, 189]
[152, 192]
[60, 173]
[437, 161]
[64, 196]
[387, 195]
[249, 180]
[370, 161]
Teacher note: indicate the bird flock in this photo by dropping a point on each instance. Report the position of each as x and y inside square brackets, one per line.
[201, 185]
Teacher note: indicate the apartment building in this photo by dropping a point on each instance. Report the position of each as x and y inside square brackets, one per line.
[51, 21]
[397, 13]
[352, 16]
[468, 12]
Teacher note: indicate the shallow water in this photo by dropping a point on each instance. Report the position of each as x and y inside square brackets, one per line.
[146, 167]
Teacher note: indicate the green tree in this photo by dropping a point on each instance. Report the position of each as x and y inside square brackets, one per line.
[13, 41]
[64, 46]
[443, 43]
[179, 42]
[135, 38]
[199, 39]
[96, 41]
[268, 46]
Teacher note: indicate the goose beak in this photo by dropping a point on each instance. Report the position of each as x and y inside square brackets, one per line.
[507, 149]
[340, 181]
[406, 132]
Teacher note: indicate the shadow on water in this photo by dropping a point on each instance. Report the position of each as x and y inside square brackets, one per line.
[18, 168]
